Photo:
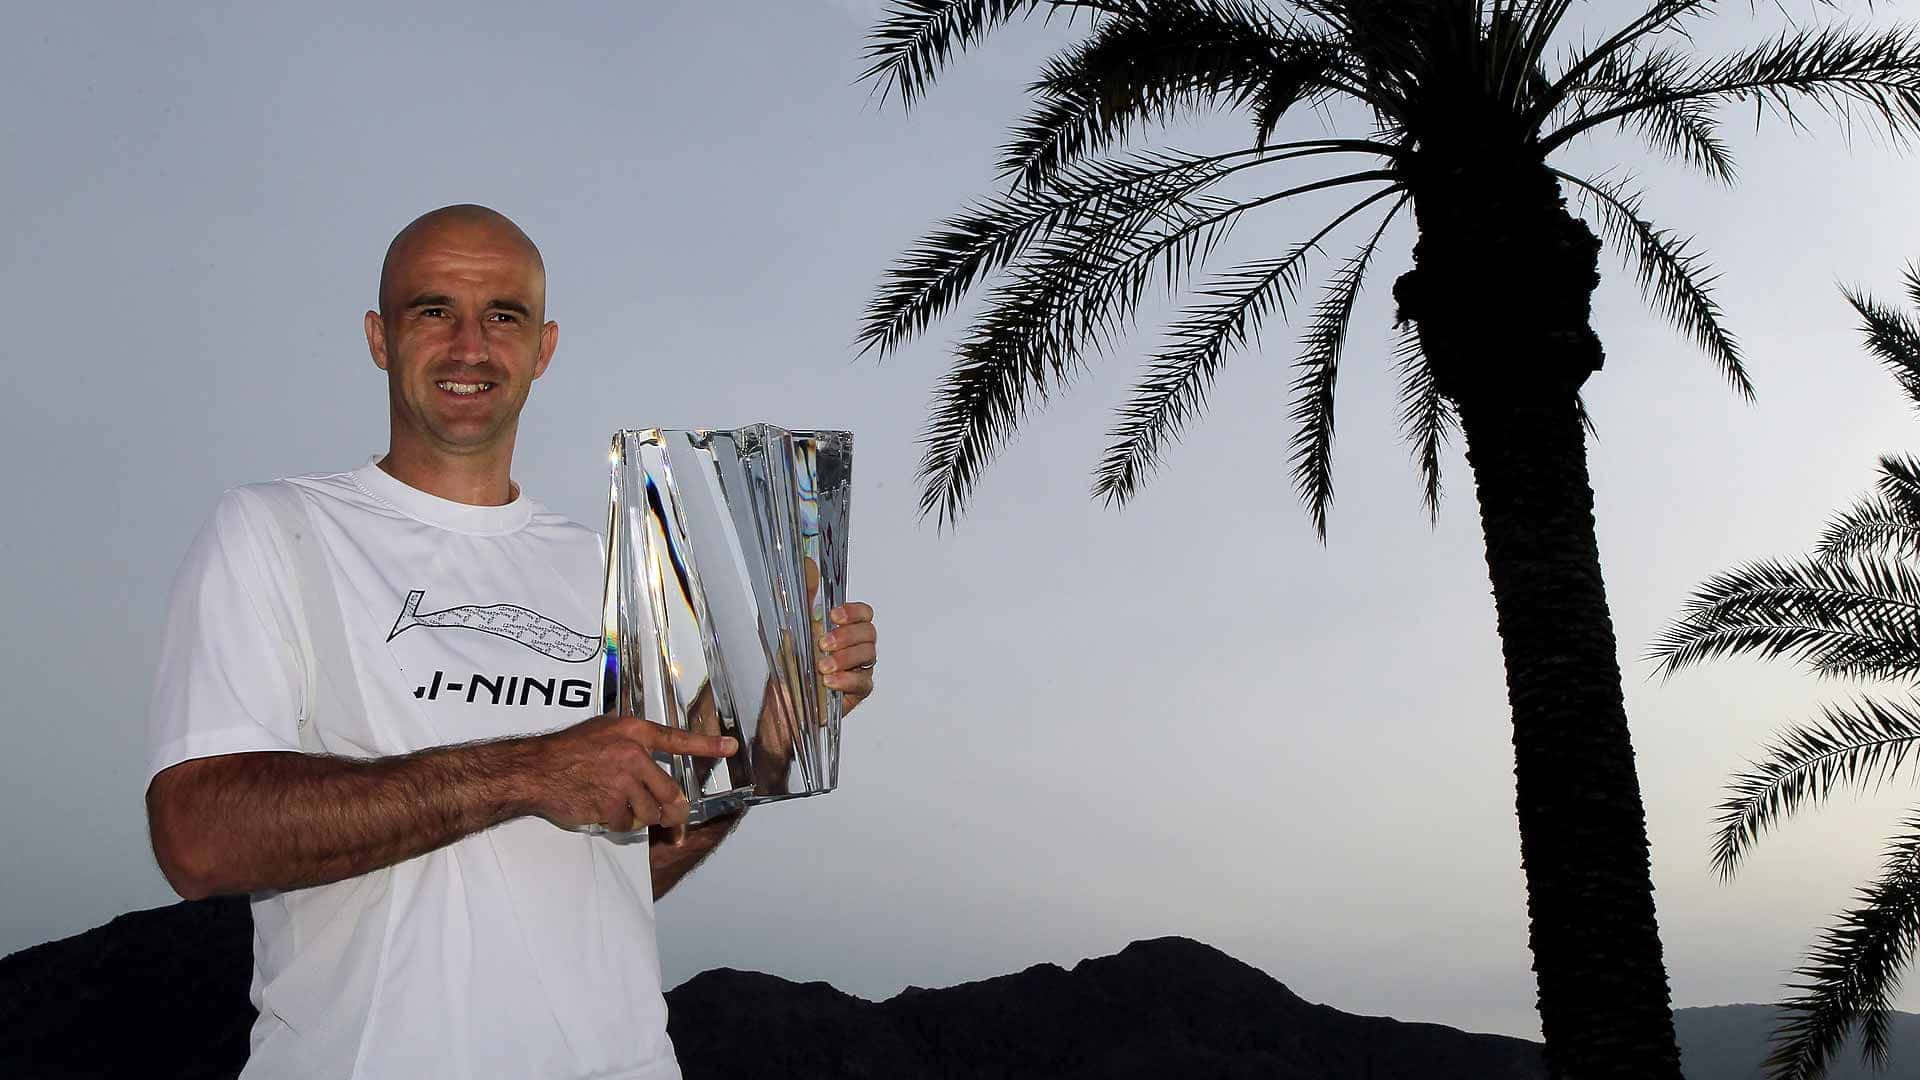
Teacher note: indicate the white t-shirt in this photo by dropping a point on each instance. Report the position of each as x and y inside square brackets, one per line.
[524, 950]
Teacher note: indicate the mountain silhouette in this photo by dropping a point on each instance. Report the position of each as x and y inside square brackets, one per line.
[163, 993]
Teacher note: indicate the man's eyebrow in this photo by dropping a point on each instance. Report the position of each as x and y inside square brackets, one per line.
[498, 303]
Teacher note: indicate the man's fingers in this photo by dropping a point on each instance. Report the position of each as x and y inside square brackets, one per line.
[857, 634]
[851, 612]
[619, 816]
[675, 741]
[851, 683]
[664, 795]
[851, 658]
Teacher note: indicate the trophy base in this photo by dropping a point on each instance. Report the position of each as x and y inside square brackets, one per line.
[699, 812]
[713, 807]
[729, 803]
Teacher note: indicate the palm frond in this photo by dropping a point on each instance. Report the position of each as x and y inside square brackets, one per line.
[1146, 67]
[1278, 95]
[932, 276]
[1893, 337]
[1871, 527]
[1064, 297]
[1672, 278]
[1519, 33]
[1310, 450]
[1857, 747]
[1029, 338]
[1844, 73]
[1179, 376]
[915, 39]
[1683, 130]
[1899, 484]
[1658, 16]
[1853, 973]
[1883, 525]
[1839, 619]
[1427, 418]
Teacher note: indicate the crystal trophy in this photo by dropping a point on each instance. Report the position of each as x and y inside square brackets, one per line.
[725, 551]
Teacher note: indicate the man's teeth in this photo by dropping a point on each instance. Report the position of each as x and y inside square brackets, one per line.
[465, 387]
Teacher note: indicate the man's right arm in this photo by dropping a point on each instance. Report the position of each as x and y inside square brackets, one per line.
[248, 822]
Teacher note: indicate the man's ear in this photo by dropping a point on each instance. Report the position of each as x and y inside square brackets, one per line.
[549, 338]
[377, 339]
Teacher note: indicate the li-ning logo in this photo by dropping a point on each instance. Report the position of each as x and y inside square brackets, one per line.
[510, 690]
[523, 626]
[510, 621]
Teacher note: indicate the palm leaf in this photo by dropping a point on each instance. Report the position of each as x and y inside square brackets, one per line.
[1859, 747]
[1658, 16]
[1146, 67]
[916, 39]
[1180, 375]
[1882, 525]
[1586, 418]
[1900, 483]
[1853, 973]
[1030, 336]
[1872, 527]
[1892, 336]
[1426, 416]
[1684, 130]
[931, 277]
[1840, 619]
[1671, 276]
[1844, 73]
[1310, 450]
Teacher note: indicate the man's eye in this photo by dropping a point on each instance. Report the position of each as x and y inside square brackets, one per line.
[506, 316]
[433, 312]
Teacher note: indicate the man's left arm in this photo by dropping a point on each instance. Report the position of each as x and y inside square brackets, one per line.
[846, 666]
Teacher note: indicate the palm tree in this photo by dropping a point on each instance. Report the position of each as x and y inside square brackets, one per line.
[1469, 100]
[1847, 610]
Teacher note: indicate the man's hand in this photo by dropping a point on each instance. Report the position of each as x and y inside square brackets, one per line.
[849, 648]
[601, 772]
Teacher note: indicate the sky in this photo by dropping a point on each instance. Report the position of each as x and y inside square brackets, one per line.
[1092, 725]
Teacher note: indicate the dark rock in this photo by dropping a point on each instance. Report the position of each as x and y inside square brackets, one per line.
[163, 993]
[159, 993]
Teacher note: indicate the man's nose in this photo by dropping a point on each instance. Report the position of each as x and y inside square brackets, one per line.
[469, 344]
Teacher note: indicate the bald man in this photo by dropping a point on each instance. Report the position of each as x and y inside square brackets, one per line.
[404, 807]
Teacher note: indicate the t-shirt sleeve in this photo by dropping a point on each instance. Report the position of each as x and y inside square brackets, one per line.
[229, 681]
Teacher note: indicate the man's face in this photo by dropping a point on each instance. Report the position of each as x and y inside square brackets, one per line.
[461, 337]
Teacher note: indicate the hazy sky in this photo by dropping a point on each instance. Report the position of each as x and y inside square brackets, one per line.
[1092, 726]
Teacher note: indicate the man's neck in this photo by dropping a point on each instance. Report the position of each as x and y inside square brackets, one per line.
[480, 481]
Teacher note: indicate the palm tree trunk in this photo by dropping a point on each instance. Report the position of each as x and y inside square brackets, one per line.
[1603, 998]
[1501, 291]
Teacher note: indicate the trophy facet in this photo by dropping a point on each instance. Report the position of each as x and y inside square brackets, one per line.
[725, 551]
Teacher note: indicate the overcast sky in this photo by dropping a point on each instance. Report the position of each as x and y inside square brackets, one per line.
[1092, 726]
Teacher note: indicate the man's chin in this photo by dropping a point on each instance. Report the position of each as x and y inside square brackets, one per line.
[468, 438]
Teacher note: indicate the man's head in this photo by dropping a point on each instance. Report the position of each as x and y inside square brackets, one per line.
[460, 332]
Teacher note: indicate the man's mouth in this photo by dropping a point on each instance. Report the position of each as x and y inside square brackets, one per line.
[464, 389]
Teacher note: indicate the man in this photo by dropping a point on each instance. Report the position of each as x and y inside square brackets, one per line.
[403, 797]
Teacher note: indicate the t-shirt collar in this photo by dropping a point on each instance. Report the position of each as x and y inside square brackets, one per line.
[439, 512]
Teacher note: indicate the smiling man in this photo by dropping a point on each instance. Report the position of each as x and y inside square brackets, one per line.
[401, 790]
